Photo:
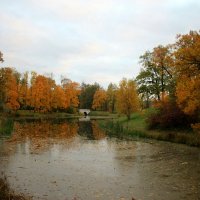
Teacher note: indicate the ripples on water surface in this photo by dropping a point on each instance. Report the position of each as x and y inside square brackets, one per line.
[67, 160]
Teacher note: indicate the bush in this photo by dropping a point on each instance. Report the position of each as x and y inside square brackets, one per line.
[168, 116]
[196, 128]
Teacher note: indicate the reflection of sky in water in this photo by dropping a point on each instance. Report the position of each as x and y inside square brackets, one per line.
[62, 167]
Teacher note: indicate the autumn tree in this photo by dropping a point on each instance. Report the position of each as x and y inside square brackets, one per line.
[51, 86]
[187, 65]
[71, 90]
[8, 90]
[127, 97]
[40, 94]
[111, 96]
[58, 100]
[162, 61]
[99, 99]
[23, 91]
[11, 100]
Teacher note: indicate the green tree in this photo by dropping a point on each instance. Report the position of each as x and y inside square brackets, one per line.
[156, 76]
[111, 96]
[87, 94]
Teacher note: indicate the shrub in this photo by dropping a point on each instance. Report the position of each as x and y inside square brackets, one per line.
[168, 116]
[196, 128]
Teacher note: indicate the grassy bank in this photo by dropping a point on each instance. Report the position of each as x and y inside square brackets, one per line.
[136, 127]
[102, 114]
[35, 115]
[51, 115]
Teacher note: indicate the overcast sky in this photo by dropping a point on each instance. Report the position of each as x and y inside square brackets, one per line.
[90, 40]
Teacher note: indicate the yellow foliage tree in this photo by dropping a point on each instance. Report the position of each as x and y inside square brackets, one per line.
[111, 97]
[127, 97]
[99, 99]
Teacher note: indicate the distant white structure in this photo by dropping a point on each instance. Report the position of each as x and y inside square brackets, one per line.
[84, 111]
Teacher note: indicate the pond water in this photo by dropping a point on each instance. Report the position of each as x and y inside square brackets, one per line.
[68, 160]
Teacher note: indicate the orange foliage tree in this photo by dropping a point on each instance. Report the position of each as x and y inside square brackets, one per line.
[187, 65]
[58, 100]
[8, 91]
[23, 91]
[41, 94]
[71, 91]
[99, 99]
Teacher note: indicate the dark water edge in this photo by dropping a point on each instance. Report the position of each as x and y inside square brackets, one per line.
[72, 159]
[6, 193]
[122, 131]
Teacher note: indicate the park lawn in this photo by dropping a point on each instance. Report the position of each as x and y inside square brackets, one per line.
[136, 128]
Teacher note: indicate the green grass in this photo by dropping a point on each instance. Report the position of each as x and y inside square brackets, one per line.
[31, 114]
[99, 113]
[102, 113]
[136, 127]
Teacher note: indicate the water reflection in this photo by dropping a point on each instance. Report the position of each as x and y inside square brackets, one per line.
[39, 136]
[91, 130]
[74, 160]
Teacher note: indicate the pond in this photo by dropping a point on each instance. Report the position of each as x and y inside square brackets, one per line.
[65, 160]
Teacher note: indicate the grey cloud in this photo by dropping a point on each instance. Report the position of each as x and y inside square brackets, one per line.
[90, 39]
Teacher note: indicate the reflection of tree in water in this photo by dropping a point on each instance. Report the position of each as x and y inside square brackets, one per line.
[40, 136]
[98, 133]
[85, 129]
[43, 134]
[91, 130]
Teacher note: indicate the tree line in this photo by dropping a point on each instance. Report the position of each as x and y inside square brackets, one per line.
[40, 93]
[170, 79]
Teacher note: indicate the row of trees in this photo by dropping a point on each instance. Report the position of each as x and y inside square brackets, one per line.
[173, 71]
[32, 91]
[37, 92]
[122, 98]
